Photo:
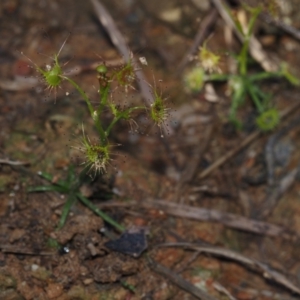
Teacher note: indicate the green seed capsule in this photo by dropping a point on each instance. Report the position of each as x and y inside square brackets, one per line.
[101, 69]
[53, 76]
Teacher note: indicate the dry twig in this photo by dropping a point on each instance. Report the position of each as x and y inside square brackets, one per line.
[267, 18]
[210, 215]
[247, 141]
[269, 149]
[180, 281]
[219, 162]
[120, 43]
[16, 250]
[193, 163]
[266, 271]
[13, 163]
[255, 47]
[281, 25]
[275, 194]
[228, 219]
[204, 29]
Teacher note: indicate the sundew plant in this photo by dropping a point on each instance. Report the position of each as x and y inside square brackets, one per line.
[97, 153]
[244, 83]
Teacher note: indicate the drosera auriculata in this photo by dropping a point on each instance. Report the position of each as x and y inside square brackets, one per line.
[159, 112]
[52, 75]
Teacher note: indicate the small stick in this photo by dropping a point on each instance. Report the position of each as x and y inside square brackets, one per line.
[210, 215]
[275, 194]
[120, 43]
[204, 29]
[269, 149]
[190, 170]
[228, 219]
[266, 271]
[187, 263]
[281, 25]
[15, 250]
[13, 163]
[247, 141]
[180, 281]
[255, 47]
[267, 18]
[221, 289]
[219, 162]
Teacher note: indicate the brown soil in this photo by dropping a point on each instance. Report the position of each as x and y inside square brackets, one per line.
[39, 128]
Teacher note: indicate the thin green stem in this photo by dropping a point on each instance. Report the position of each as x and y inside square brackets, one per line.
[66, 209]
[255, 13]
[233, 108]
[263, 96]
[49, 177]
[100, 213]
[111, 125]
[82, 93]
[91, 109]
[264, 75]
[122, 115]
[255, 99]
[103, 92]
[48, 188]
[81, 178]
[243, 57]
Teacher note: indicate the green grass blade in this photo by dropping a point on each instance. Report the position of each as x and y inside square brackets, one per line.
[264, 75]
[66, 209]
[255, 96]
[71, 175]
[128, 286]
[254, 15]
[49, 177]
[47, 188]
[100, 213]
[46, 176]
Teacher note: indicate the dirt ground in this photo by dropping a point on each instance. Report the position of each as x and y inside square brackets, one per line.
[209, 212]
